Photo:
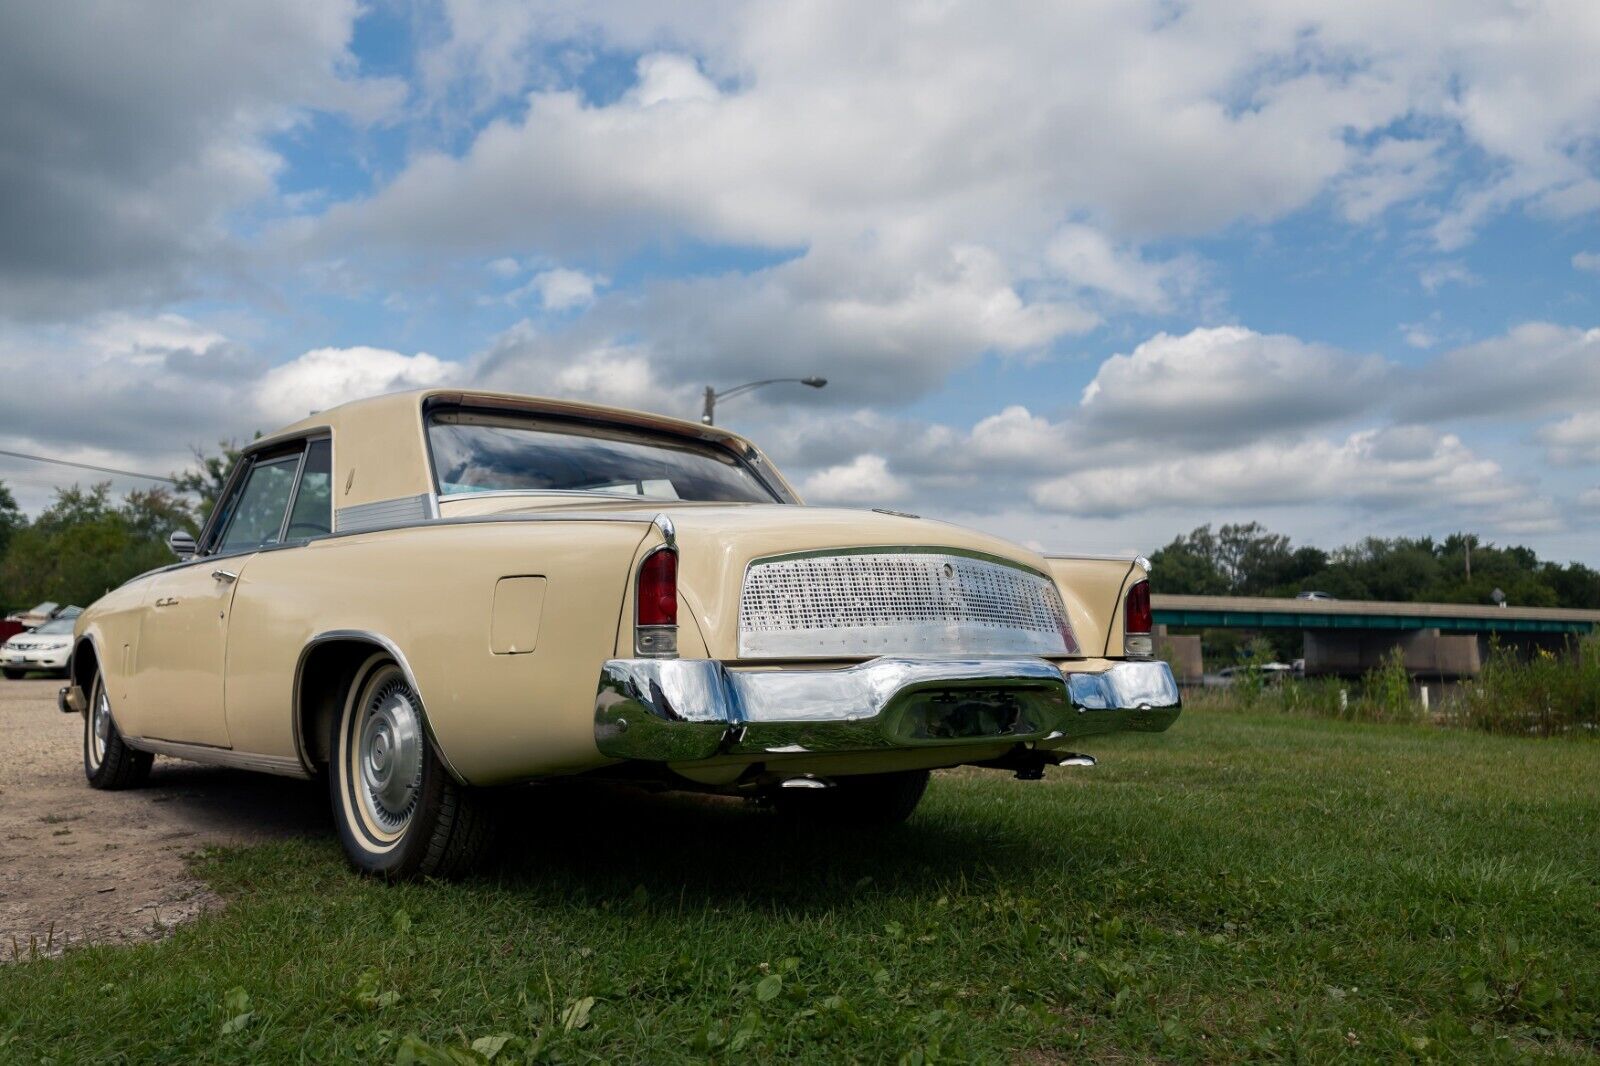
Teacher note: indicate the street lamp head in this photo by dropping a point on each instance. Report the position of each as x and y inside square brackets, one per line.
[815, 383]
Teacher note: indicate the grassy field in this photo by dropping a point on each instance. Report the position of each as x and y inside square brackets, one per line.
[1242, 887]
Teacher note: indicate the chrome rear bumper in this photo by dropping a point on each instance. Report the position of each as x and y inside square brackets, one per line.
[674, 710]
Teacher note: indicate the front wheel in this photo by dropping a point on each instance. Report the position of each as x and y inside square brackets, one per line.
[863, 801]
[399, 813]
[14, 675]
[108, 762]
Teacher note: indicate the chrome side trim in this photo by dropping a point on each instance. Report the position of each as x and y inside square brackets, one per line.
[689, 709]
[404, 509]
[361, 636]
[669, 532]
[1093, 557]
[202, 753]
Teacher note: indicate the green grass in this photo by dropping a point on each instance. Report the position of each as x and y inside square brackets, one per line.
[1245, 886]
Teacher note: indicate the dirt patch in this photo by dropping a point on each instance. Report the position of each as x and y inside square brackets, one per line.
[79, 866]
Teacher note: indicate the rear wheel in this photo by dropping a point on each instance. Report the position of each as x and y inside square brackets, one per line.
[398, 811]
[866, 800]
[108, 762]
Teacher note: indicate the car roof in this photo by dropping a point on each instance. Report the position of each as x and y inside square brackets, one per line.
[380, 443]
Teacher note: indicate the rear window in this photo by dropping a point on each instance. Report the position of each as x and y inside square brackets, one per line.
[495, 452]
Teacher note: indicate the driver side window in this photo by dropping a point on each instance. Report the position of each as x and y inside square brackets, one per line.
[284, 496]
[258, 515]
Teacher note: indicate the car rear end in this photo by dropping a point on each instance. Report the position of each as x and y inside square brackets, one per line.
[838, 642]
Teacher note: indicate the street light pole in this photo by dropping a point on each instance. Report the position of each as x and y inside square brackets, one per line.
[709, 411]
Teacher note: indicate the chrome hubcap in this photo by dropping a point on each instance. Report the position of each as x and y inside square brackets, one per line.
[99, 728]
[389, 754]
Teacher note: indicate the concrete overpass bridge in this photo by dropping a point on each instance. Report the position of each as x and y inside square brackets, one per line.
[1350, 637]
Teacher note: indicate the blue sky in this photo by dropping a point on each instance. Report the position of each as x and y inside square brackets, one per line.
[1087, 275]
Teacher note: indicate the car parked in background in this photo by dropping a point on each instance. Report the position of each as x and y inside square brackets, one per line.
[47, 649]
[1314, 595]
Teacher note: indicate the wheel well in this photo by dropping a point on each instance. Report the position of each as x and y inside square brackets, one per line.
[83, 665]
[324, 678]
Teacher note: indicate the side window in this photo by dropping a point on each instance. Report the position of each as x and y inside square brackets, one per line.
[258, 516]
[312, 514]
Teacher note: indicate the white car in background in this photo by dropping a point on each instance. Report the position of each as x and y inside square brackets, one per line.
[46, 648]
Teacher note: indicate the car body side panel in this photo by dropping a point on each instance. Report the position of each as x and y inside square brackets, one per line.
[430, 591]
[1094, 589]
[112, 625]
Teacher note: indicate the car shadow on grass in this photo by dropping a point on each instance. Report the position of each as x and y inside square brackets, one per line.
[608, 841]
[237, 804]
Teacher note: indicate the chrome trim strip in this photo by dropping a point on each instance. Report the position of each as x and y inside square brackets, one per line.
[1092, 557]
[202, 753]
[681, 710]
[669, 532]
[362, 636]
[460, 520]
[899, 549]
[365, 516]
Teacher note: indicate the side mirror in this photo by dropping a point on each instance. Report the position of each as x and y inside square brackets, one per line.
[182, 544]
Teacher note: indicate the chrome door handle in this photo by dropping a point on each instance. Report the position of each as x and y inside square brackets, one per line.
[225, 575]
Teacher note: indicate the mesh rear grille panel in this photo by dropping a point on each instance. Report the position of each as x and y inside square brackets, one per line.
[879, 603]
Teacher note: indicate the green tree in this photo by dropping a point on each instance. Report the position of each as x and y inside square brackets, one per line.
[1237, 560]
[84, 544]
[11, 519]
[205, 480]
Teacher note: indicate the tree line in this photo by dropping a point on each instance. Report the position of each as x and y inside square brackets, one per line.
[1249, 560]
[87, 542]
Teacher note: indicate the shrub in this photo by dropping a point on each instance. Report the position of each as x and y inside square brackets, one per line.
[1545, 695]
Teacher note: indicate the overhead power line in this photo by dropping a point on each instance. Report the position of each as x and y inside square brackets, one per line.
[89, 466]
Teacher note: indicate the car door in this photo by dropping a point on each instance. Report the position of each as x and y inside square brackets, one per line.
[184, 636]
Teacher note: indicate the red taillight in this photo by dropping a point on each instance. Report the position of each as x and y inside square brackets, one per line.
[658, 589]
[1136, 617]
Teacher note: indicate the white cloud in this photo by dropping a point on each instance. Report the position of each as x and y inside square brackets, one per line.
[1151, 119]
[1438, 275]
[1589, 261]
[134, 133]
[864, 480]
[1392, 172]
[1574, 441]
[1230, 381]
[668, 78]
[1086, 258]
[1372, 468]
[1534, 368]
[563, 289]
[325, 377]
[1418, 334]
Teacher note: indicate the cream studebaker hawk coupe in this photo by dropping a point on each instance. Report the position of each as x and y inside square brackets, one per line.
[424, 595]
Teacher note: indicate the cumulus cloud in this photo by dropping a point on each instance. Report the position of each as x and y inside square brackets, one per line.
[780, 127]
[1574, 441]
[1588, 261]
[1228, 382]
[1369, 468]
[1532, 369]
[864, 480]
[325, 377]
[132, 133]
[563, 289]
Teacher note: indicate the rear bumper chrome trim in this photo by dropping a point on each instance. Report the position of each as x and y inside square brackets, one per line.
[675, 710]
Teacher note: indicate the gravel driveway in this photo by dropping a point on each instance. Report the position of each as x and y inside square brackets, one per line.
[80, 866]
